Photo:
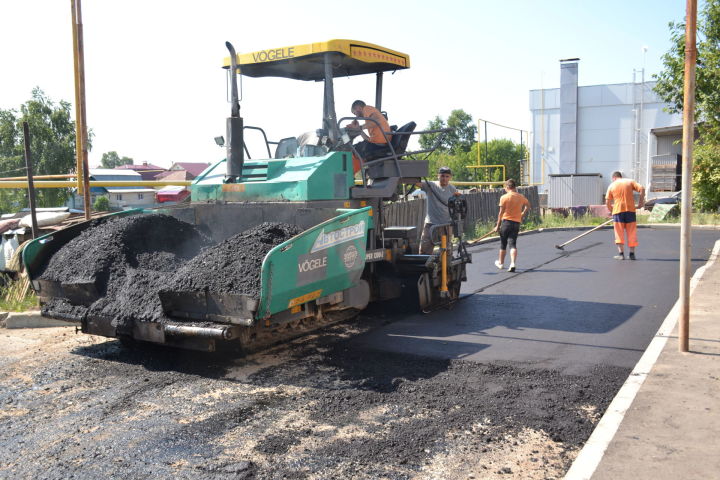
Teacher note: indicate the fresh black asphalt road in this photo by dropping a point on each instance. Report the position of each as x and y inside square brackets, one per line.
[568, 309]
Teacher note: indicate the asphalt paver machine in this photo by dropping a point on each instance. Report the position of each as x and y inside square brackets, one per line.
[346, 256]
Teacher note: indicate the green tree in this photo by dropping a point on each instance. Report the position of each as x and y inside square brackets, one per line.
[458, 163]
[428, 140]
[670, 81]
[52, 146]
[499, 152]
[112, 160]
[459, 151]
[706, 179]
[102, 204]
[460, 138]
[502, 152]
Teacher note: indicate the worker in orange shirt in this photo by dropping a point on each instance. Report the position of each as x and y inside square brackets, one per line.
[375, 140]
[513, 207]
[620, 200]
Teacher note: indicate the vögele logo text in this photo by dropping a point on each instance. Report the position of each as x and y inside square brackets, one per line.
[312, 264]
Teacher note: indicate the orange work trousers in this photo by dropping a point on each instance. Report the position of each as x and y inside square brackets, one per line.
[626, 227]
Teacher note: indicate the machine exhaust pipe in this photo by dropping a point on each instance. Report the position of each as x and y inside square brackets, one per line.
[217, 333]
[234, 126]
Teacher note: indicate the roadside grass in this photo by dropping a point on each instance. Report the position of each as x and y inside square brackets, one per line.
[15, 296]
[554, 220]
[697, 218]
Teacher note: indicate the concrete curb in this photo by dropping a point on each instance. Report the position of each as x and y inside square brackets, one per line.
[33, 319]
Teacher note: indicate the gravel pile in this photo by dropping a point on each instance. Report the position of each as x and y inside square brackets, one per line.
[233, 266]
[128, 259]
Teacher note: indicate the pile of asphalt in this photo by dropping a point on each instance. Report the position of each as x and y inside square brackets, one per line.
[128, 259]
[232, 266]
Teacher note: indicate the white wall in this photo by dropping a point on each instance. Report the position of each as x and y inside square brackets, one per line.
[131, 200]
[605, 129]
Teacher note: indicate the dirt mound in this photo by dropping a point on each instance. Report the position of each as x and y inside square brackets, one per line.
[128, 260]
[233, 266]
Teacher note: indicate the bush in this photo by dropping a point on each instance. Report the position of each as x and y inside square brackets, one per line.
[706, 177]
[16, 295]
[102, 204]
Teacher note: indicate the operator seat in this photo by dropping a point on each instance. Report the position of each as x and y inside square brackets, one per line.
[287, 147]
[400, 142]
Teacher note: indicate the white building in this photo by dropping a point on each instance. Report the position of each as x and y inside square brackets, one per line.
[602, 128]
[119, 197]
[130, 197]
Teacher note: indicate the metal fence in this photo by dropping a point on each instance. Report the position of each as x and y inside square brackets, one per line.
[482, 208]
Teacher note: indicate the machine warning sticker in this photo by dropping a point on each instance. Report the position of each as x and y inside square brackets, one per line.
[305, 298]
[311, 268]
[350, 256]
[233, 187]
[336, 237]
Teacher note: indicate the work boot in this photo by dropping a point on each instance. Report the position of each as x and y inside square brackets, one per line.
[631, 256]
[619, 256]
[498, 264]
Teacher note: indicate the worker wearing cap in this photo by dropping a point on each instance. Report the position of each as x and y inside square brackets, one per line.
[620, 199]
[513, 207]
[375, 139]
[437, 194]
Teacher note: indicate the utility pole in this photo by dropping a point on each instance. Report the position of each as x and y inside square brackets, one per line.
[687, 164]
[83, 172]
[31, 185]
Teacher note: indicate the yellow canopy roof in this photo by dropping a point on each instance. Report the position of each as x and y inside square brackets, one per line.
[306, 62]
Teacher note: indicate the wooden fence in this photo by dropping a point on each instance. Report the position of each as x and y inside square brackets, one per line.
[482, 208]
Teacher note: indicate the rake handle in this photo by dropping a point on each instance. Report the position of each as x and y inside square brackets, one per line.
[583, 234]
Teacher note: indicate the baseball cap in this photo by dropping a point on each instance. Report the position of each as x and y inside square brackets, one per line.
[444, 170]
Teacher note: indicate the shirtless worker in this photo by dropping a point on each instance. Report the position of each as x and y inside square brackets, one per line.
[620, 200]
[513, 207]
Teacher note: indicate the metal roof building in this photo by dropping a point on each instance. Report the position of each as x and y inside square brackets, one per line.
[602, 128]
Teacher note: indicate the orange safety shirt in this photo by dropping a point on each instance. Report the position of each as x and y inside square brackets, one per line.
[375, 133]
[513, 203]
[621, 193]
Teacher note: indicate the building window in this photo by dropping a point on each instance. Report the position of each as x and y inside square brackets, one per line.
[140, 196]
[118, 196]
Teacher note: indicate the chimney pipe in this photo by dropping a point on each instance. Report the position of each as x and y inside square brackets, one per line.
[568, 115]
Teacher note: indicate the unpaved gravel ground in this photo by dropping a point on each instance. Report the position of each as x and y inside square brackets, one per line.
[78, 406]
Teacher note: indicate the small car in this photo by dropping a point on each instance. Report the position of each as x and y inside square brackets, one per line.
[672, 199]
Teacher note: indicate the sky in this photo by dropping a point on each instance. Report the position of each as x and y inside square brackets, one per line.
[156, 91]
